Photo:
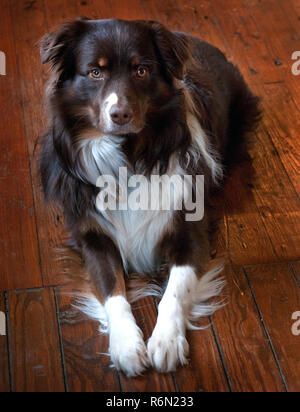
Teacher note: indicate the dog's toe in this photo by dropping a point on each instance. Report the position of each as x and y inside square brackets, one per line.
[167, 350]
[128, 353]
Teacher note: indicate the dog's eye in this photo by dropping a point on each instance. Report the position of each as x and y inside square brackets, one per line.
[96, 74]
[141, 72]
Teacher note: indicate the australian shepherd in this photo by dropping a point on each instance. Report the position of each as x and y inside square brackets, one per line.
[137, 97]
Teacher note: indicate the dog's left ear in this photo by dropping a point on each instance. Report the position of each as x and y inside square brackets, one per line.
[54, 45]
[172, 47]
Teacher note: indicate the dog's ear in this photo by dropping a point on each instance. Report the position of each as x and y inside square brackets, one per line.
[172, 47]
[54, 45]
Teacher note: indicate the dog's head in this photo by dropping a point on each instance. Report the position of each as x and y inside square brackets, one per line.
[113, 73]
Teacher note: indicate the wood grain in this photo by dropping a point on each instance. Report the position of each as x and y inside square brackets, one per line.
[29, 25]
[34, 342]
[85, 351]
[246, 350]
[95, 9]
[205, 372]
[278, 296]
[19, 257]
[4, 362]
[200, 20]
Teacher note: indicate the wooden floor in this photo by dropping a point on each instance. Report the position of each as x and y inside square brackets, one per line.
[249, 345]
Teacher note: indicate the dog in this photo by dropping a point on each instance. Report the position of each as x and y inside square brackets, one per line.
[135, 95]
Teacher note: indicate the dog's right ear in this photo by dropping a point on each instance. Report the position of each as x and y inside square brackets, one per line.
[54, 45]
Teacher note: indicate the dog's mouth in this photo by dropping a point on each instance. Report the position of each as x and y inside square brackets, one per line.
[122, 131]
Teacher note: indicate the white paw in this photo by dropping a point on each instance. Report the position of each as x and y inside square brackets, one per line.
[168, 347]
[127, 349]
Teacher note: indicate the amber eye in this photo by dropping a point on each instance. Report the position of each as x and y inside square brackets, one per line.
[141, 72]
[96, 74]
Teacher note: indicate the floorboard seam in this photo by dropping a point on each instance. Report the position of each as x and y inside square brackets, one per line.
[219, 347]
[63, 359]
[266, 330]
[295, 274]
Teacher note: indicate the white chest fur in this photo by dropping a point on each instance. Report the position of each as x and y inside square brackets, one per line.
[136, 232]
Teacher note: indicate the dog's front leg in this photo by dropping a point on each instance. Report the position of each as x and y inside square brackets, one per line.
[103, 262]
[168, 345]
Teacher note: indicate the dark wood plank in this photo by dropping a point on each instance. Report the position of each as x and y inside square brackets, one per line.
[58, 11]
[95, 9]
[4, 362]
[205, 372]
[247, 353]
[19, 258]
[87, 365]
[278, 296]
[34, 342]
[146, 315]
[29, 26]
[129, 10]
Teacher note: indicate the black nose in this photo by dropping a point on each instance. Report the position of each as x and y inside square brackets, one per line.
[121, 115]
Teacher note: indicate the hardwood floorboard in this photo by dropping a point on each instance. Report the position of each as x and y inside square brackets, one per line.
[247, 353]
[59, 11]
[278, 297]
[95, 9]
[19, 258]
[34, 342]
[85, 351]
[29, 24]
[205, 372]
[129, 10]
[199, 19]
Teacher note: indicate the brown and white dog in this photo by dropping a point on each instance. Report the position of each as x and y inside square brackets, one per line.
[134, 94]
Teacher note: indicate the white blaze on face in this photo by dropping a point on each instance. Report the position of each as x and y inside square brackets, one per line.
[111, 100]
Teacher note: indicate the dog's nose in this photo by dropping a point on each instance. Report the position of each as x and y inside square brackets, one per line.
[121, 115]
